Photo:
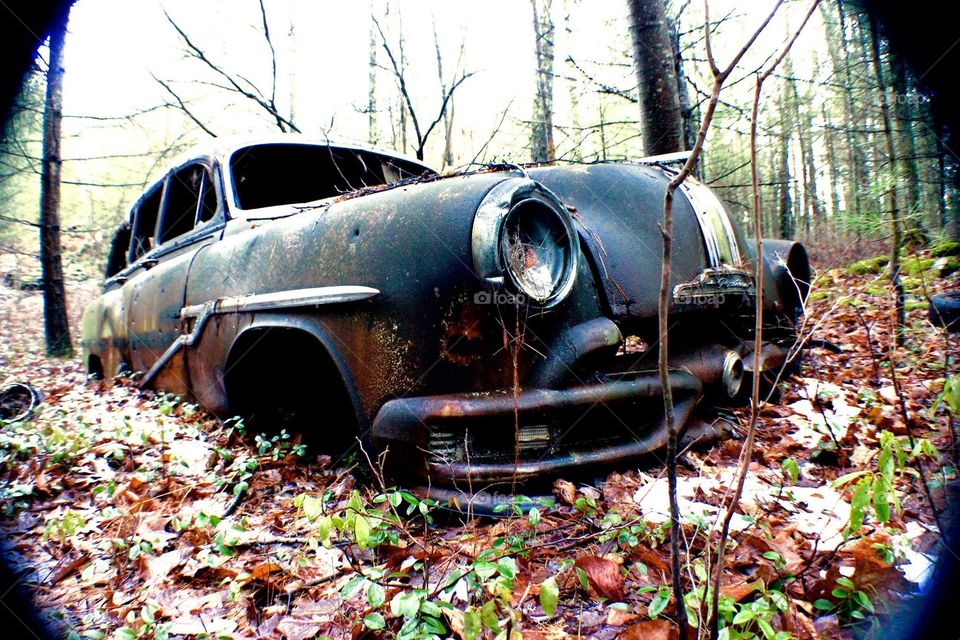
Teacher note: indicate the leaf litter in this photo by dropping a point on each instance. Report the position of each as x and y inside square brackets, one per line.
[134, 513]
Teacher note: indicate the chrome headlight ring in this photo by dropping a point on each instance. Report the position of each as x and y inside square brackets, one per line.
[524, 239]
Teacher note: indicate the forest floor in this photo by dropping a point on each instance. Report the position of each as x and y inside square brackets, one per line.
[134, 515]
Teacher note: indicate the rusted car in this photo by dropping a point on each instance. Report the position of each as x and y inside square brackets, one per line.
[480, 328]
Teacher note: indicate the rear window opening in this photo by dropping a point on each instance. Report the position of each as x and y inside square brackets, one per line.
[278, 174]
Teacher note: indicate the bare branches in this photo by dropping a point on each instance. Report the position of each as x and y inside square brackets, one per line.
[746, 453]
[398, 72]
[183, 106]
[236, 82]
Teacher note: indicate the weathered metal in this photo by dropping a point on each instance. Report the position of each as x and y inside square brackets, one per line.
[421, 307]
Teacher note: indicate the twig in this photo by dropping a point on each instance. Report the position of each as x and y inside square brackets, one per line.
[746, 453]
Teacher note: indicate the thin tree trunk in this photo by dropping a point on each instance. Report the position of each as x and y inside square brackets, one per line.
[892, 191]
[783, 171]
[56, 322]
[906, 141]
[660, 117]
[690, 125]
[831, 163]
[542, 148]
[372, 135]
[573, 90]
[857, 162]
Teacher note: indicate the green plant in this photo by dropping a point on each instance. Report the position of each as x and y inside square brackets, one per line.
[69, 524]
[874, 492]
[753, 619]
[143, 624]
[278, 446]
[852, 604]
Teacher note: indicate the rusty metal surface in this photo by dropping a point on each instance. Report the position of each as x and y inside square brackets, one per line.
[442, 332]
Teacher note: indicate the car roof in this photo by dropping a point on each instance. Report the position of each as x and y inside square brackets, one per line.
[222, 147]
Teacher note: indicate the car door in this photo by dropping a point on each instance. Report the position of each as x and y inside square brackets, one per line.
[189, 217]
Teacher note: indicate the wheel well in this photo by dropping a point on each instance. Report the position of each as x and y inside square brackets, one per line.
[281, 378]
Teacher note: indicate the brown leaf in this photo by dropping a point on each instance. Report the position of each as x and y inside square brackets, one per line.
[565, 491]
[619, 617]
[67, 566]
[263, 570]
[652, 560]
[603, 577]
[650, 630]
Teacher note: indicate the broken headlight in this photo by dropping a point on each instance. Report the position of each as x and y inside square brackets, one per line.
[524, 239]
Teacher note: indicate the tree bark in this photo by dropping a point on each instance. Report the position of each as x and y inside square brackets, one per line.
[56, 322]
[892, 190]
[783, 169]
[542, 147]
[653, 56]
[906, 141]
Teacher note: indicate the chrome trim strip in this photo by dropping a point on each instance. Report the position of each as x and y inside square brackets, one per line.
[278, 300]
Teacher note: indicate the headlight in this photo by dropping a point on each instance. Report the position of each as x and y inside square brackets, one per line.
[524, 239]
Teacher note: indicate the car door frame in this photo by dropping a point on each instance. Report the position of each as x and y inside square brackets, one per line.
[152, 297]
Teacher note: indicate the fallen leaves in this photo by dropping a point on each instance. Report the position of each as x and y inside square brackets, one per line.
[603, 577]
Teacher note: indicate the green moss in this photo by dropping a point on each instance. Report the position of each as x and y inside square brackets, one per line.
[945, 248]
[912, 305]
[912, 266]
[868, 266]
[820, 294]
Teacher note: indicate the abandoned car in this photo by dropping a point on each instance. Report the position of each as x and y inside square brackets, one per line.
[481, 328]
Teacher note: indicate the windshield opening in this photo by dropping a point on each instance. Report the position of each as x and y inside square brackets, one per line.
[276, 174]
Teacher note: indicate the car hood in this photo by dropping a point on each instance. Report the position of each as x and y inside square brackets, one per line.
[618, 209]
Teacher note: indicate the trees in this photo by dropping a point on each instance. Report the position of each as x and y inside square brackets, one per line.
[398, 68]
[542, 148]
[653, 56]
[56, 322]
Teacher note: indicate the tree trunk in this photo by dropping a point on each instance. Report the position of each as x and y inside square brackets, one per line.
[660, 117]
[372, 84]
[542, 148]
[892, 191]
[906, 141]
[56, 322]
[690, 123]
[783, 170]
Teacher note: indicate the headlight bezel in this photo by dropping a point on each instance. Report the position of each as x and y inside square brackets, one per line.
[515, 199]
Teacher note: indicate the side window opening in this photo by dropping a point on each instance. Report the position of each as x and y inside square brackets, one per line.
[181, 203]
[145, 223]
[208, 201]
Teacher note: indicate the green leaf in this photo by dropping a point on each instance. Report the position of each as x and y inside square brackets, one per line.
[324, 525]
[374, 621]
[507, 567]
[406, 604]
[125, 633]
[376, 595]
[488, 615]
[844, 581]
[881, 503]
[471, 624]
[767, 630]
[790, 470]
[659, 602]
[823, 605]
[353, 585]
[484, 569]
[744, 616]
[582, 576]
[549, 595]
[361, 529]
[846, 479]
